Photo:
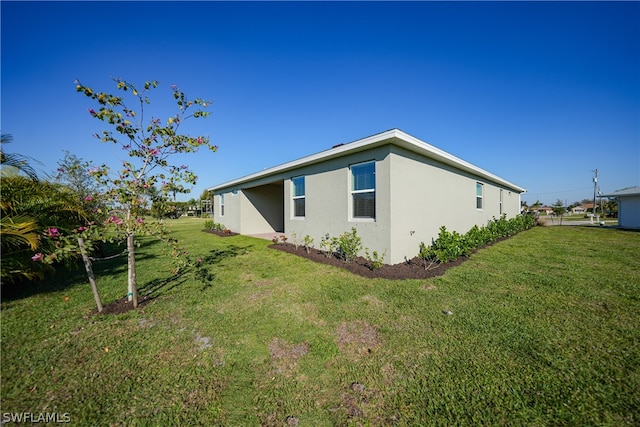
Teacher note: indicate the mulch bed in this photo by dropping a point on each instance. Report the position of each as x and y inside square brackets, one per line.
[121, 305]
[225, 233]
[413, 269]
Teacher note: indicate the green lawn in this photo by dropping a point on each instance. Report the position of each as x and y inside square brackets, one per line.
[544, 330]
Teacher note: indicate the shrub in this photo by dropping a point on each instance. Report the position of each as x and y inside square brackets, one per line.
[295, 240]
[427, 255]
[374, 260]
[451, 245]
[349, 244]
[308, 243]
[328, 243]
[212, 225]
[279, 239]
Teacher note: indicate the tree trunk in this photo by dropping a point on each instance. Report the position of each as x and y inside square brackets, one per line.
[92, 279]
[132, 294]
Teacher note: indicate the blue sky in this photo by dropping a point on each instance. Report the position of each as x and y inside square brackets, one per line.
[539, 93]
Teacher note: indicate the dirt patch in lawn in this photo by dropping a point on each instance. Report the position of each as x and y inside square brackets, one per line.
[356, 339]
[285, 356]
[412, 269]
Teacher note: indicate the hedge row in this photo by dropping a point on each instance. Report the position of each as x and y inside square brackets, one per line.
[451, 245]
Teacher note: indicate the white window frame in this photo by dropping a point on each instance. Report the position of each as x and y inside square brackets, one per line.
[501, 200]
[353, 192]
[221, 204]
[300, 197]
[479, 197]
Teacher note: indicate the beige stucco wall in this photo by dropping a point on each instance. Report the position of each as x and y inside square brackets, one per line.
[328, 201]
[426, 195]
[231, 217]
[252, 210]
[415, 196]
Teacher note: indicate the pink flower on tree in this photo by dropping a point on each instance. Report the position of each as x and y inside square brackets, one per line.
[53, 232]
[114, 220]
[37, 257]
[88, 198]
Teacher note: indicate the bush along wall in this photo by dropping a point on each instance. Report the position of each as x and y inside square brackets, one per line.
[450, 244]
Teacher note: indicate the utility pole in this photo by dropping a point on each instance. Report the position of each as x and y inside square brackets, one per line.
[595, 189]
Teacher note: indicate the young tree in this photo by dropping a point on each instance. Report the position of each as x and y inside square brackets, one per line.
[559, 209]
[536, 205]
[149, 143]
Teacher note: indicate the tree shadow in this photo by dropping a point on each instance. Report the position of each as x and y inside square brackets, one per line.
[200, 272]
[215, 256]
[110, 258]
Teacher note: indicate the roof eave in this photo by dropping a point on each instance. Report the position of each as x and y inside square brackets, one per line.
[393, 136]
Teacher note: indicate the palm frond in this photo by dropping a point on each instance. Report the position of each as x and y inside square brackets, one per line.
[16, 232]
[11, 163]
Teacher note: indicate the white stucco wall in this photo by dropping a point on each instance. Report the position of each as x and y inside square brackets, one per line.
[629, 211]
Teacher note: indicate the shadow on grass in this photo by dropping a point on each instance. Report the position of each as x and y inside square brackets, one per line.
[157, 287]
[109, 259]
[201, 272]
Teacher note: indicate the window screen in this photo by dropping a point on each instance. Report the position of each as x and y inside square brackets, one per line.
[479, 193]
[298, 196]
[363, 190]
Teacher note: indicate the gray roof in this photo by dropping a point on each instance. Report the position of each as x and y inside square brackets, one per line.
[631, 191]
[393, 136]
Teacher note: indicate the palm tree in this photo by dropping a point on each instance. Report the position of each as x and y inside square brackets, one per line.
[20, 239]
[15, 162]
[28, 206]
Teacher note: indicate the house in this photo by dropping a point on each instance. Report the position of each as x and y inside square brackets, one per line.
[547, 210]
[395, 189]
[578, 210]
[588, 207]
[628, 206]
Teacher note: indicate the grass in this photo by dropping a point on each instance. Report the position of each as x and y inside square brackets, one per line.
[544, 330]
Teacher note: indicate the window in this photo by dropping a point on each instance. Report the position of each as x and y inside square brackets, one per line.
[479, 194]
[298, 197]
[363, 190]
[222, 205]
[500, 202]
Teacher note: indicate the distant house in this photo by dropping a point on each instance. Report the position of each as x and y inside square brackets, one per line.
[548, 210]
[395, 189]
[628, 206]
[579, 210]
